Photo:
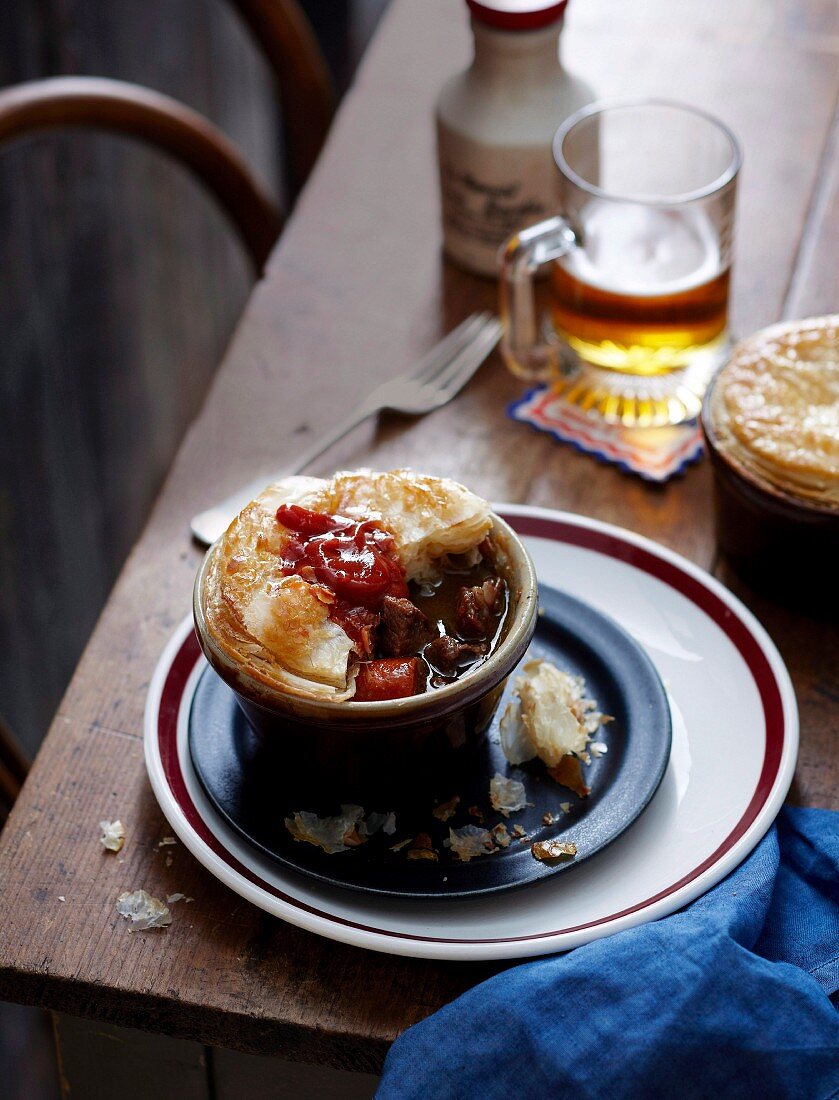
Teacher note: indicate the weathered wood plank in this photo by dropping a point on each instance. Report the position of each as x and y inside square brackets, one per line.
[253, 979]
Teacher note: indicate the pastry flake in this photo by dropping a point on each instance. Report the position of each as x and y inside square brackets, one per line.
[547, 851]
[113, 835]
[550, 716]
[506, 795]
[469, 842]
[332, 834]
[142, 911]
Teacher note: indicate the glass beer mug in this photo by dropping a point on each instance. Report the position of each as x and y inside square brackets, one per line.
[638, 263]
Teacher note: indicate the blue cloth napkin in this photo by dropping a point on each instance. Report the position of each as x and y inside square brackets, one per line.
[728, 998]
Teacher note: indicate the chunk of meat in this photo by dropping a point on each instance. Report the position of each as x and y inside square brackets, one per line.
[487, 550]
[446, 653]
[478, 608]
[360, 624]
[390, 678]
[405, 629]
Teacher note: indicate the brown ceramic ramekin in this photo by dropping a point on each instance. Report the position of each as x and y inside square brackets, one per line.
[359, 749]
[782, 545]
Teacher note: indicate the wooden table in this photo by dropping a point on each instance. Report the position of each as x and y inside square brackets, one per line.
[356, 291]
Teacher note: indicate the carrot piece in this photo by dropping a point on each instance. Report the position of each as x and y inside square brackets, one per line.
[390, 678]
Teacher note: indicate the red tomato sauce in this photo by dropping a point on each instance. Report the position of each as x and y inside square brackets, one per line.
[354, 559]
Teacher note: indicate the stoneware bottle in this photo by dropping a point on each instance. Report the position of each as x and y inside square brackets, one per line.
[495, 124]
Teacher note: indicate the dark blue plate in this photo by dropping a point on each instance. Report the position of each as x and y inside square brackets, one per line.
[249, 783]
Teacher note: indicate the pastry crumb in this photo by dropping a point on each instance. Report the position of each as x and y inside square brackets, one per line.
[547, 850]
[113, 835]
[469, 842]
[143, 911]
[332, 834]
[568, 773]
[508, 796]
[446, 809]
[550, 716]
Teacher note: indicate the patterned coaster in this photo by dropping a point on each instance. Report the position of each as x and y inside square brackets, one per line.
[655, 454]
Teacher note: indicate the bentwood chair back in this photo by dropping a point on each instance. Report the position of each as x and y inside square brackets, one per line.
[13, 769]
[282, 32]
[158, 120]
[169, 126]
[307, 103]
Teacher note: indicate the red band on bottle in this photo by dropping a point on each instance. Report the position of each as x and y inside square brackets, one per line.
[510, 16]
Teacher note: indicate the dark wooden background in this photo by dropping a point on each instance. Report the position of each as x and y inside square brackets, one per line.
[121, 284]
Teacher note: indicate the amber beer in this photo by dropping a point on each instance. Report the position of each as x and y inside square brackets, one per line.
[638, 256]
[646, 294]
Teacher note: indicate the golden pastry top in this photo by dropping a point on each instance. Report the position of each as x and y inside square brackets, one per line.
[775, 408]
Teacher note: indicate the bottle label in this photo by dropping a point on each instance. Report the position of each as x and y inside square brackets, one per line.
[490, 193]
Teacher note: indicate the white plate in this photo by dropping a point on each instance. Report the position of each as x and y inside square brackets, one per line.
[735, 740]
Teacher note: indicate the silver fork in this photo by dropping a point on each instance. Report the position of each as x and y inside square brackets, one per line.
[429, 384]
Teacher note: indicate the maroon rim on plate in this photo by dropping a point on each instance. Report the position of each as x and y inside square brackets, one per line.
[556, 530]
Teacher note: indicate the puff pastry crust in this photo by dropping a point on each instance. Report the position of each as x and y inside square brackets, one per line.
[278, 627]
[776, 407]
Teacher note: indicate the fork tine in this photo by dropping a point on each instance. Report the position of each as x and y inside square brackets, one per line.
[460, 370]
[448, 348]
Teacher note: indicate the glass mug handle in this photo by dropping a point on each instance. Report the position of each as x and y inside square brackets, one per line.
[526, 354]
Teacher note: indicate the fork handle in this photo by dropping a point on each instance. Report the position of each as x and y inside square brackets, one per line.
[358, 415]
[207, 526]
